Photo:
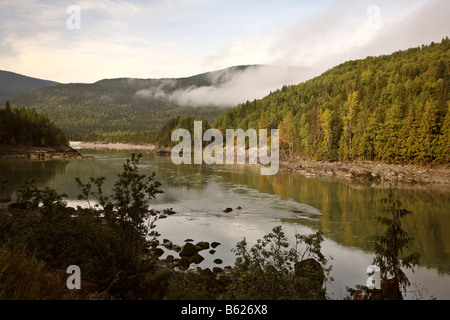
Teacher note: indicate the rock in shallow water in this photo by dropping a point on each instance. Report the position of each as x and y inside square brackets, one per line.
[203, 245]
[188, 250]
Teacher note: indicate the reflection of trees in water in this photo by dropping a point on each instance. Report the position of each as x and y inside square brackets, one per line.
[170, 175]
[184, 175]
[349, 209]
[86, 169]
[17, 171]
[197, 176]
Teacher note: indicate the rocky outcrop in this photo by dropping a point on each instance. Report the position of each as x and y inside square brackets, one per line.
[214, 244]
[368, 171]
[202, 245]
[188, 253]
[188, 250]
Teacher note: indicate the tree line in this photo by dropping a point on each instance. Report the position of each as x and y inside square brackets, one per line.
[27, 127]
[116, 110]
[164, 136]
[392, 108]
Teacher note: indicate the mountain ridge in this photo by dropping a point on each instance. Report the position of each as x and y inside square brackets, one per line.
[13, 84]
[107, 108]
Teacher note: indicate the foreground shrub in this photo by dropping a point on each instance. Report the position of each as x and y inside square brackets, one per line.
[390, 256]
[25, 278]
[275, 269]
[108, 240]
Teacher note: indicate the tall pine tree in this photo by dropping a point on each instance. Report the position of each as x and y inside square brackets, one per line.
[427, 134]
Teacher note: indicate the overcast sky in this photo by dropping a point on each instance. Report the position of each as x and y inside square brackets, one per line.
[177, 38]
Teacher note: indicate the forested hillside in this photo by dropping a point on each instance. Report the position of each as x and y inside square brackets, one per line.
[392, 108]
[164, 137]
[27, 127]
[126, 109]
[13, 85]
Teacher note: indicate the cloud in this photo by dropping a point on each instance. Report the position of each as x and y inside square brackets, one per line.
[240, 86]
[176, 38]
[229, 87]
[341, 32]
[156, 92]
[422, 25]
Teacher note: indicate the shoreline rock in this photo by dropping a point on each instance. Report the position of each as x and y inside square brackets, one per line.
[110, 146]
[358, 170]
[151, 148]
[39, 153]
[368, 171]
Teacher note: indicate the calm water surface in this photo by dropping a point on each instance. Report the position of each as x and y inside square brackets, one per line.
[343, 210]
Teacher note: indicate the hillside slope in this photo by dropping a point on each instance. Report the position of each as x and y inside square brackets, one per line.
[132, 110]
[392, 108]
[27, 127]
[13, 85]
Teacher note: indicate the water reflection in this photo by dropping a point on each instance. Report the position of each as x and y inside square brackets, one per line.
[348, 210]
[344, 210]
[17, 171]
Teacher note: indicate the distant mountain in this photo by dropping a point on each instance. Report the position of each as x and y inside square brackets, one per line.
[129, 109]
[13, 85]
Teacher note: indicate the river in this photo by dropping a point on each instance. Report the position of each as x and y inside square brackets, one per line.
[344, 210]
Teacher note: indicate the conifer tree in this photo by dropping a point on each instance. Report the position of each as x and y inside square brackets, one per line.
[392, 126]
[287, 131]
[326, 119]
[444, 140]
[305, 136]
[427, 133]
[350, 111]
[406, 137]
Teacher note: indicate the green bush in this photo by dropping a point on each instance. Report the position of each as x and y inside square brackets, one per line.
[201, 284]
[274, 269]
[389, 256]
[108, 241]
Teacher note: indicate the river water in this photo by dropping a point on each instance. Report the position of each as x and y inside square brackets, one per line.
[344, 210]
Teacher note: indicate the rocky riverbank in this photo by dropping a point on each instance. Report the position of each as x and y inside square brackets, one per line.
[367, 170]
[110, 146]
[162, 151]
[361, 170]
[38, 153]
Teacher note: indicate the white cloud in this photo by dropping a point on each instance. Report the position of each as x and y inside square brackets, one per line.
[342, 33]
[181, 38]
[230, 87]
[117, 8]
